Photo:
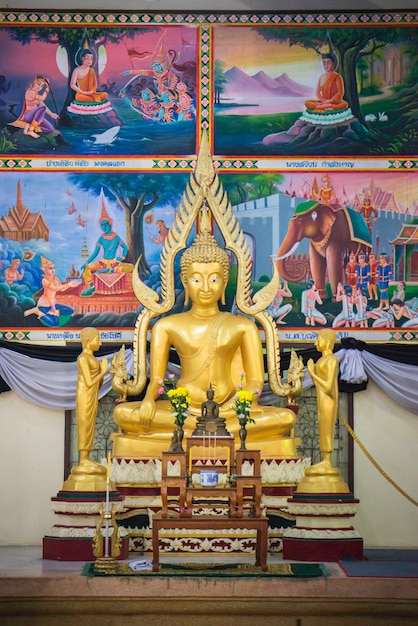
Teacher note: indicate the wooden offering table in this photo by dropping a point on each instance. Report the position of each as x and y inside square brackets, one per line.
[260, 524]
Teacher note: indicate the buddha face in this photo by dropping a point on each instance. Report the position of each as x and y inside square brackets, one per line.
[87, 59]
[204, 283]
[328, 65]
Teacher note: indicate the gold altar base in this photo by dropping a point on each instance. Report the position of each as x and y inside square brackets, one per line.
[330, 482]
[106, 564]
[76, 516]
[135, 447]
[90, 476]
[130, 446]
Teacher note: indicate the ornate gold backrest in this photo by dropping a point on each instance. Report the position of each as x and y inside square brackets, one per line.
[204, 200]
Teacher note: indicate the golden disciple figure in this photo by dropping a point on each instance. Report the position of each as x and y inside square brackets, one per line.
[88, 475]
[330, 88]
[207, 342]
[323, 476]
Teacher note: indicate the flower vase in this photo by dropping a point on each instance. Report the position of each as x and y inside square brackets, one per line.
[243, 435]
[176, 440]
[179, 437]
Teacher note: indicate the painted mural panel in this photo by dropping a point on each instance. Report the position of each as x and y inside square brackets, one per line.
[98, 91]
[315, 91]
[312, 123]
[67, 256]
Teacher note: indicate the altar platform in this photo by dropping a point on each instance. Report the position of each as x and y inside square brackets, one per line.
[47, 593]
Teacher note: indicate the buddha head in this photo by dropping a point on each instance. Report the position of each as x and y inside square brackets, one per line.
[329, 61]
[204, 250]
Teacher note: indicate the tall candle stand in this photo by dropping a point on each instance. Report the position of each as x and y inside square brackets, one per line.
[107, 563]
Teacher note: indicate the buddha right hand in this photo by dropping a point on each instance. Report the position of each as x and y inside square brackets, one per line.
[146, 413]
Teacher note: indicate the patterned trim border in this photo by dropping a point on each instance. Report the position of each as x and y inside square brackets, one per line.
[80, 18]
[303, 533]
[15, 335]
[329, 509]
[406, 335]
[403, 164]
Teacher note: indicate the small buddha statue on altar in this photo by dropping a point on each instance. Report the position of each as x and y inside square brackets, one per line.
[210, 423]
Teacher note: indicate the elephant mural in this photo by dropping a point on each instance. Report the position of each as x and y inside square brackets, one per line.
[334, 230]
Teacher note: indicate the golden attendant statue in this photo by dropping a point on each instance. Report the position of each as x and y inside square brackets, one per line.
[323, 477]
[87, 475]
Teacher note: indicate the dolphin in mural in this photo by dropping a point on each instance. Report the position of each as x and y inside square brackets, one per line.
[107, 137]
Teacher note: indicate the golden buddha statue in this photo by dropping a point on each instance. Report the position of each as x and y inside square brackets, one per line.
[323, 477]
[214, 347]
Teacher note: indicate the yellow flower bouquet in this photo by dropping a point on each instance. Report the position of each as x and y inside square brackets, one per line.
[179, 399]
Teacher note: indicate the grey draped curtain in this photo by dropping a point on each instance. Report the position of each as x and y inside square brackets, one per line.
[52, 384]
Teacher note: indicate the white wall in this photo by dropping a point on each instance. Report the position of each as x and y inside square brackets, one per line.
[390, 435]
[31, 469]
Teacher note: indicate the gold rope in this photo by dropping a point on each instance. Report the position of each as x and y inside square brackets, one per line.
[375, 463]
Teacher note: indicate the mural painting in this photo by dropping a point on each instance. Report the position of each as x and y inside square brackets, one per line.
[313, 131]
[67, 259]
[307, 91]
[98, 91]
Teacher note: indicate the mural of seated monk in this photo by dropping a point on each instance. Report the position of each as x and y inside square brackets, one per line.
[87, 100]
[330, 88]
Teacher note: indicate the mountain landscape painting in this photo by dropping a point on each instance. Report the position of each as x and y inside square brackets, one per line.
[270, 89]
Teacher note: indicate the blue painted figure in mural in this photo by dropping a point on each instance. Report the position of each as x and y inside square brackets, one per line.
[384, 276]
[166, 99]
[114, 251]
[310, 298]
[362, 271]
[166, 106]
[372, 288]
[49, 311]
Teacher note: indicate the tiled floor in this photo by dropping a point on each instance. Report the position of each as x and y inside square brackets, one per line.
[28, 562]
[39, 592]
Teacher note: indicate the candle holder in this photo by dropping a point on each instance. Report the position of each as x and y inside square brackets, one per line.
[106, 563]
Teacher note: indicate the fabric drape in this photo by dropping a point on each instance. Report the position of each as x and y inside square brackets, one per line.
[47, 376]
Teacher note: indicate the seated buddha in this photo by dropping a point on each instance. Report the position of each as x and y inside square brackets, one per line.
[207, 341]
[217, 350]
[330, 88]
